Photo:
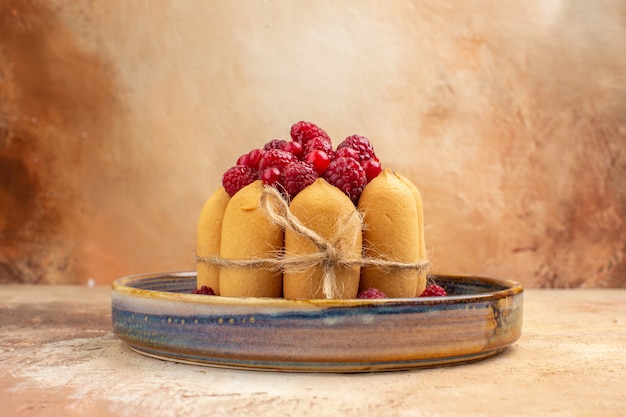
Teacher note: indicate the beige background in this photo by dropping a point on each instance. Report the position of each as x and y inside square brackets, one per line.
[117, 119]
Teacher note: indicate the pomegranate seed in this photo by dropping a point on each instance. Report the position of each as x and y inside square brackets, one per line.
[270, 176]
[319, 159]
[371, 167]
[254, 158]
[251, 159]
[243, 160]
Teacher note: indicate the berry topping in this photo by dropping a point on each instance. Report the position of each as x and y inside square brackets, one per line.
[304, 131]
[372, 168]
[274, 144]
[276, 158]
[318, 143]
[347, 175]
[360, 144]
[204, 290]
[251, 158]
[294, 148]
[270, 176]
[254, 158]
[348, 152]
[434, 291]
[242, 160]
[237, 177]
[349, 167]
[297, 176]
[372, 293]
[319, 160]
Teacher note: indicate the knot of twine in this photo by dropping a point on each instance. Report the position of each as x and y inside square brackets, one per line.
[331, 254]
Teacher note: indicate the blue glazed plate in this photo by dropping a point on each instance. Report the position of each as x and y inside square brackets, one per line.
[157, 316]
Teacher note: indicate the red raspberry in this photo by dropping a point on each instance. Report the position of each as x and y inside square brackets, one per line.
[319, 143]
[347, 175]
[372, 293]
[346, 151]
[237, 177]
[204, 290]
[274, 144]
[276, 158]
[360, 144]
[294, 148]
[304, 131]
[434, 291]
[297, 177]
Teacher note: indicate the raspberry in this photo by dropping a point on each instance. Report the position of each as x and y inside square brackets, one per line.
[274, 144]
[360, 144]
[319, 160]
[294, 148]
[318, 143]
[347, 175]
[372, 293]
[304, 131]
[346, 151]
[204, 290]
[297, 177]
[434, 291]
[237, 177]
[276, 158]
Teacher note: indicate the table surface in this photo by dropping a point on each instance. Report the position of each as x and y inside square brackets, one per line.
[59, 357]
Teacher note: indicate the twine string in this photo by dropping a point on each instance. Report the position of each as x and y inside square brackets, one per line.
[329, 256]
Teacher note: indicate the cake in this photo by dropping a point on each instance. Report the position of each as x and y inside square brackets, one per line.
[301, 219]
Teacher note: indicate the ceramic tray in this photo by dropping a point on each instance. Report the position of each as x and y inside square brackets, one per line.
[156, 315]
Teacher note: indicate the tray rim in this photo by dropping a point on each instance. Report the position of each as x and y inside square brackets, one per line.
[120, 285]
